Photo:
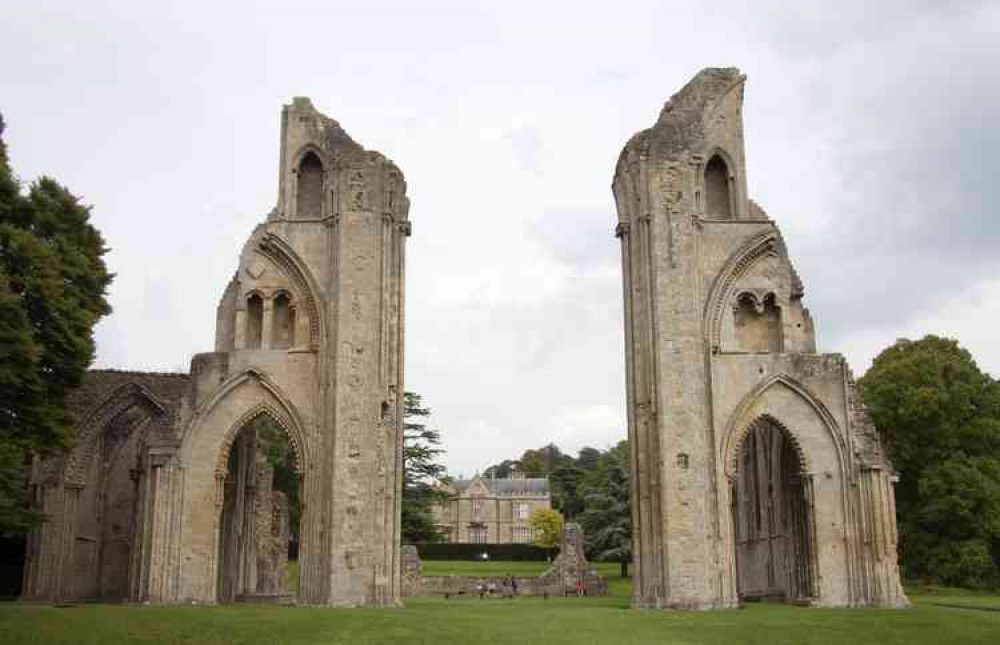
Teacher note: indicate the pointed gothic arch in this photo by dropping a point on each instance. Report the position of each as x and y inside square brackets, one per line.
[738, 425]
[772, 510]
[96, 422]
[287, 260]
[767, 244]
[283, 411]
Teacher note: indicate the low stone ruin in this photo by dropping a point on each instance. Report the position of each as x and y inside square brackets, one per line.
[563, 578]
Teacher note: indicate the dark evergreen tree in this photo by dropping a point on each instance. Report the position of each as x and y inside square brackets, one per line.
[53, 283]
[567, 494]
[607, 518]
[421, 472]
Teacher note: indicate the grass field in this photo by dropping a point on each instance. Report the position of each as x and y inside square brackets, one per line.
[522, 620]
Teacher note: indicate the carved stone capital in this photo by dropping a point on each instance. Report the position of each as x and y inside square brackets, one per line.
[622, 229]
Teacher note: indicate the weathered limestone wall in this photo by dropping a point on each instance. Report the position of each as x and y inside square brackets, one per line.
[310, 334]
[718, 340]
[97, 538]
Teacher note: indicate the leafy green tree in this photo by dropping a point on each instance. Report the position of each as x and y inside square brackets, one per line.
[547, 525]
[421, 472]
[939, 417]
[607, 518]
[502, 470]
[53, 283]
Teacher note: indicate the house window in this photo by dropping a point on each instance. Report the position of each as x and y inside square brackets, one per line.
[477, 509]
[521, 511]
[479, 534]
[522, 535]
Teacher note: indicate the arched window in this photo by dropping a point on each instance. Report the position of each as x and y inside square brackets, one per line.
[717, 202]
[255, 321]
[283, 322]
[309, 200]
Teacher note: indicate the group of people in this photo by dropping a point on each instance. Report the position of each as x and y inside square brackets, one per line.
[508, 588]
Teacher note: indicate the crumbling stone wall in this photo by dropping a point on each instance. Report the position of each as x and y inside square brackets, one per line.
[720, 345]
[272, 534]
[561, 579]
[309, 332]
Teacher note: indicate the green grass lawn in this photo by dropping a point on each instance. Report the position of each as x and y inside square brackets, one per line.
[497, 621]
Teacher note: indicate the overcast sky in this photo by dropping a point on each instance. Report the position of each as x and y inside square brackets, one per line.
[867, 131]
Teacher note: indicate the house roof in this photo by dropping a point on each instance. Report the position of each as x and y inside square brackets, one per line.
[534, 486]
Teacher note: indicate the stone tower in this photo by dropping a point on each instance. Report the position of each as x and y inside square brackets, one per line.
[756, 471]
[159, 500]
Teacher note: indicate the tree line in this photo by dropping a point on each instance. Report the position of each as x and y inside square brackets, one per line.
[591, 488]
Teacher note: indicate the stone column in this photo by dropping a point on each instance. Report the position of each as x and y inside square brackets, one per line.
[267, 340]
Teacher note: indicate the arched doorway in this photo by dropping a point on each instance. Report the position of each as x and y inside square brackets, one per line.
[259, 518]
[772, 518]
[104, 519]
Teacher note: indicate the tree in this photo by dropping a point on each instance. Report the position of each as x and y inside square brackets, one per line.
[547, 525]
[607, 520]
[939, 417]
[543, 461]
[422, 473]
[588, 458]
[53, 283]
[566, 484]
[502, 470]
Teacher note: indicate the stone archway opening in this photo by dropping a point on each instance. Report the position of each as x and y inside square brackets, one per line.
[772, 517]
[105, 515]
[259, 518]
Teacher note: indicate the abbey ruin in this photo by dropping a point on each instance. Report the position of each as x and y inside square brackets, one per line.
[756, 472]
[162, 498]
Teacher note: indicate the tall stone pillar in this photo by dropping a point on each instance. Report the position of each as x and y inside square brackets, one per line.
[364, 211]
[657, 192]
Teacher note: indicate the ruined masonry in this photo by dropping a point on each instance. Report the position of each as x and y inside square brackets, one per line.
[756, 473]
[164, 498]
[569, 569]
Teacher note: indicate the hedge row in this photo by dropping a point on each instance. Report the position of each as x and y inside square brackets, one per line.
[503, 552]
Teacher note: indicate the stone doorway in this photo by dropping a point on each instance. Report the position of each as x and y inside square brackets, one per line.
[258, 523]
[772, 518]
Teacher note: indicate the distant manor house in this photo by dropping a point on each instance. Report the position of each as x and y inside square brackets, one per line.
[485, 510]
